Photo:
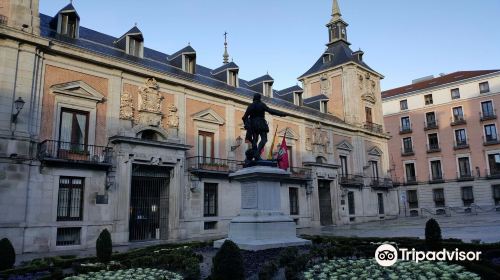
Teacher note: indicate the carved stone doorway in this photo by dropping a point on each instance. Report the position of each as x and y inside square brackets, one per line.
[149, 203]
[325, 203]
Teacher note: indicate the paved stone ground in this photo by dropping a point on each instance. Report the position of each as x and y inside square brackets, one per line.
[484, 226]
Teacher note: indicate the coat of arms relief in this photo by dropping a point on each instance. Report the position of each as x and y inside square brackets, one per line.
[149, 107]
[368, 87]
[318, 141]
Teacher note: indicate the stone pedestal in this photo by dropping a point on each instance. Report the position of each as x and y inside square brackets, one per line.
[261, 225]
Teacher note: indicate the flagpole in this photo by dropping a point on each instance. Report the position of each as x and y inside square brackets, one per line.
[270, 154]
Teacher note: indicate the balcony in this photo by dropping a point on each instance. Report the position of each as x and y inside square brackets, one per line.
[3, 19]
[405, 129]
[63, 153]
[466, 175]
[212, 166]
[436, 179]
[356, 181]
[433, 148]
[461, 145]
[216, 167]
[431, 125]
[457, 120]
[488, 115]
[377, 128]
[492, 173]
[300, 173]
[491, 140]
[411, 180]
[407, 151]
[381, 183]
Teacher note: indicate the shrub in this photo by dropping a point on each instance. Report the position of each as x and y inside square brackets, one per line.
[433, 237]
[288, 255]
[104, 246]
[228, 263]
[7, 254]
[268, 271]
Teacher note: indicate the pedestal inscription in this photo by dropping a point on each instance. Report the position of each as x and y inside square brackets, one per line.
[249, 196]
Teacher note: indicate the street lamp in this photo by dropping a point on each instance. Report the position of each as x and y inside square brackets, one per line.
[239, 141]
[19, 104]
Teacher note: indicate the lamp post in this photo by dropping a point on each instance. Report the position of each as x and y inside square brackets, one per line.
[18, 104]
[239, 141]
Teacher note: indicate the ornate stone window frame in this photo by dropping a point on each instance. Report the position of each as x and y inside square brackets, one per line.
[209, 121]
[76, 95]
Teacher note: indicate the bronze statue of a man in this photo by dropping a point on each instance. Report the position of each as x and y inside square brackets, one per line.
[256, 126]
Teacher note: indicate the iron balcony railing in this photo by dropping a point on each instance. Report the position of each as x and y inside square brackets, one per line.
[377, 128]
[465, 175]
[428, 125]
[491, 140]
[405, 129]
[52, 150]
[433, 148]
[352, 180]
[201, 164]
[213, 165]
[3, 19]
[461, 145]
[410, 180]
[457, 120]
[381, 183]
[407, 151]
[436, 178]
[488, 115]
[493, 173]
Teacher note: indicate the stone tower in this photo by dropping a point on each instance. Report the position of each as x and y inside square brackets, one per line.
[21, 14]
[351, 87]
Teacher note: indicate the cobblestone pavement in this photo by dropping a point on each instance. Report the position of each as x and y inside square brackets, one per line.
[484, 226]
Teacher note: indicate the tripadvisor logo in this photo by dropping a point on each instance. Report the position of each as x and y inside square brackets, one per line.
[387, 255]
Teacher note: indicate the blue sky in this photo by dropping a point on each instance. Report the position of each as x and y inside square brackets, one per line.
[401, 39]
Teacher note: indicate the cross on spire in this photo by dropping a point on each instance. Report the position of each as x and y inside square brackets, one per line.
[226, 54]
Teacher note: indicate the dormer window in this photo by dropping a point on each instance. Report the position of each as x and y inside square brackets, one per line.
[188, 63]
[135, 47]
[67, 22]
[323, 106]
[268, 89]
[69, 25]
[232, 78]
[297, 98]
[327, 58]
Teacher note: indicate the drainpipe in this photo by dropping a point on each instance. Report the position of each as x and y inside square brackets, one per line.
[14, 89]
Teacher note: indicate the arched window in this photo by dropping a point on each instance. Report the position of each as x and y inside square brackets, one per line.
[321, 160]
[150, 135]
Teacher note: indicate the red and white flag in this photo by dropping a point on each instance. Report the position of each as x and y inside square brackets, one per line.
[283, 155]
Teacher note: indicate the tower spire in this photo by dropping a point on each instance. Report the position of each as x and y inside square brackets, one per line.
[337, 27]
[336, 15]
[226, 54]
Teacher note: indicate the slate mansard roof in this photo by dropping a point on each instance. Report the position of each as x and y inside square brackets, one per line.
[446, 79]
[340, 53]
[102, 44]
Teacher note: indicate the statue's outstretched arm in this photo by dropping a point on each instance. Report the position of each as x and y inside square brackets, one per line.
[275, 112]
